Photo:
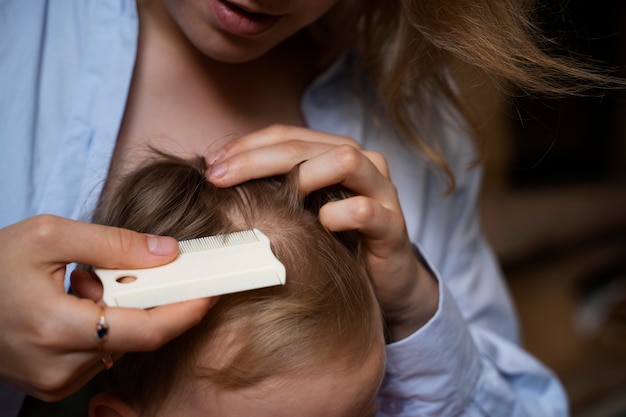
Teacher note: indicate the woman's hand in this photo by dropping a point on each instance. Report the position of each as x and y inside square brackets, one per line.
[49, 347]
[405, 289]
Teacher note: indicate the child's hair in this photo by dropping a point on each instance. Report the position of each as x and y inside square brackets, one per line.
[325, 314]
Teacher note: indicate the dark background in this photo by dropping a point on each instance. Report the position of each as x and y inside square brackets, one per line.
[554, 208]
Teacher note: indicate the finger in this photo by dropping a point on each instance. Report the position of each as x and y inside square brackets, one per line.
[86, 285]
[144, 330]
[273, 135]
[349, 167]
[359, 213]
[55, 388]
[98, 362]
[379, 162]
[63, 375]
[128, 329]
[65, 240]
[263, 162]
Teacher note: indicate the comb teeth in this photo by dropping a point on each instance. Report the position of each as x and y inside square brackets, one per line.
[217, 241]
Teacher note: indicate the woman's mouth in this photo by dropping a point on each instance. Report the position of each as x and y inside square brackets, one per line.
[240, 21]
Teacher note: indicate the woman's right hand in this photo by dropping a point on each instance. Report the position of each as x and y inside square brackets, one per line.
[404, 286]
[49, 347]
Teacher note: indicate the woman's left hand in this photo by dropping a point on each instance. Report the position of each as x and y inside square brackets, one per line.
[406, 290]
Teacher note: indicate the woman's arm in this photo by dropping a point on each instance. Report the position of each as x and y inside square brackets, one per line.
[454, 350]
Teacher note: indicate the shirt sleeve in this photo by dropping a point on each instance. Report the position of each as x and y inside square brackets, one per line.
[467, 360]
[451, 368]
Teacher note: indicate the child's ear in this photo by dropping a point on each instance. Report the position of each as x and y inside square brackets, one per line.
[105, 404]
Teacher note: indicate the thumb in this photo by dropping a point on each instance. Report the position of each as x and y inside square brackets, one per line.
[68, 241]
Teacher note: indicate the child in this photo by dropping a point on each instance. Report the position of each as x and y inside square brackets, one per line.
[312, 347]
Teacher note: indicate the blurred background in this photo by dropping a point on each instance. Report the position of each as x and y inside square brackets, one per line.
[554, 209]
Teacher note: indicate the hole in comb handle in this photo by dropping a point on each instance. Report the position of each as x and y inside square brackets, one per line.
[127, 279]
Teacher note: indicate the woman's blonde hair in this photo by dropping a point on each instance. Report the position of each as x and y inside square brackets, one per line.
[325, 314]
[411, 51]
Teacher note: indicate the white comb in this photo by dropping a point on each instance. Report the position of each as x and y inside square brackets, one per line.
[205, 267]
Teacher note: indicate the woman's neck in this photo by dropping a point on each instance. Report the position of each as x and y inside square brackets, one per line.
[184, 102]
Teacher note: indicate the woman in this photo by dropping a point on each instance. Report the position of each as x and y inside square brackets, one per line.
[358, 93]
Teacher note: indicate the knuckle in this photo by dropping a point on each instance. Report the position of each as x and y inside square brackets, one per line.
[362, 210]
[49, 381]
[46, 332]
[279, 130]
[118, 240]
[45, 227]
[348, 157]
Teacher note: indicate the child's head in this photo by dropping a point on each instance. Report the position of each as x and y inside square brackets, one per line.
[313, 347]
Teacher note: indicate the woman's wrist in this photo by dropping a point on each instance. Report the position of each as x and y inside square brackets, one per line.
[419, 307]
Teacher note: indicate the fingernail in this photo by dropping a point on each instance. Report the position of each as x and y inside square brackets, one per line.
[160, 245]
[216, 156]
[217, 171]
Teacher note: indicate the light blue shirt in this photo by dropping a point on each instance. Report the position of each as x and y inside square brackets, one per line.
[65, 71]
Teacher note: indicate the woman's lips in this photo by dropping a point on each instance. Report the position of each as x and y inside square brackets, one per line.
[238, 21]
